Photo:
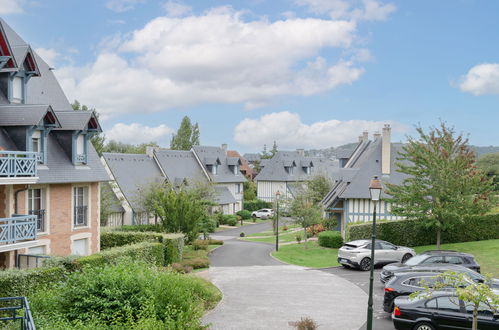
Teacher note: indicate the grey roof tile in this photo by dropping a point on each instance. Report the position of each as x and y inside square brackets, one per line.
[75, 120]
[252, 157]
[224, 173]
[223, 195]
[180, 165]
[24, 114]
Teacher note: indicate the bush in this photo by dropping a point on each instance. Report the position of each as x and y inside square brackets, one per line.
[313, 230]
[256, 204]
[241, 234]
[127, 295]
[244, 214]
[200, 244]
[153, 228]
[21, 282]
[112, 239]
[330, 223]
[230, 219]
[330, 239]
[299, 237]
[196, 263]
[215, 242]
[415, 233]
[174, 247]
[305, 324]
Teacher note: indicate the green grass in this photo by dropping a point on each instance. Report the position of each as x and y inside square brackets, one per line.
[271, 232]
[283, 237]
[314, 256]
[486, 254]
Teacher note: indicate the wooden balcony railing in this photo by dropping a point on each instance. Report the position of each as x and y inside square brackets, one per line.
[17, 229]
[18, 164]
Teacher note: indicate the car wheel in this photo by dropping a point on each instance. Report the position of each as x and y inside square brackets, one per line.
[424, 326]
[406, 257]
[365, 264]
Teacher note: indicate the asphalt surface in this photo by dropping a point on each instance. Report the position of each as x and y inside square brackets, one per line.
[260, 292]
[381, 319]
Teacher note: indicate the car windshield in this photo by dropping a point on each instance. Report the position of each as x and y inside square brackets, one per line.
[416, 260]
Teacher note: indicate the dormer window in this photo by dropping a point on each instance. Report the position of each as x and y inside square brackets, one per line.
[307, 169]
[213, 169]
[81, 150]
[17, 95]
[234, 169]
[289, 170]
[37, 145]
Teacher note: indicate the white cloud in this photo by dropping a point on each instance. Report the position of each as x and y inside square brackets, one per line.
[367, 10]
[122, 5]
[176, 8]
[136, 133]
[215, 57]
[289, 131]
[481, 79]
[49, 55]
[10, 7]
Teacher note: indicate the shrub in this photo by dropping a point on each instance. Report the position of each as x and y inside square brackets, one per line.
[112, 239]
[215, 242]
[313, 230]
[196, 263]
[330, 223]
[208, 225]
[414, 232]
[304, 324]
[256, 204]
[151, 227]
[174, 247]
[230, 219]
[21, 282]
[298, 238]
[241, 234]
[285, 228]
[244, 214]
[330, 239]
[200, 244]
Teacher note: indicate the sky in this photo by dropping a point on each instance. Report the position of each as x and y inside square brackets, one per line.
[304, 73]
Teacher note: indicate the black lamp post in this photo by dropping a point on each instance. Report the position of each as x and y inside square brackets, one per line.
[277, 195]
[375, 192]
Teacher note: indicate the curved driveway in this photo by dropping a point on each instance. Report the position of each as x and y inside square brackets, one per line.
[260, 292]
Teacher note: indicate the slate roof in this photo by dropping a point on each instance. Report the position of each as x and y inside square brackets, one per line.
[274, 168]
[250, 157]
[224, 174]
[74, 120]
[133, 172]
[245, 167]
[223, 195]
[179, 165]
[24, 114]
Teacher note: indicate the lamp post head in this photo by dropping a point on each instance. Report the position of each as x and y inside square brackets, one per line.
[375, 189]
[278, 194]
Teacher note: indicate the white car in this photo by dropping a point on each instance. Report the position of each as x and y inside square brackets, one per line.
[357, 254]
[263, 213]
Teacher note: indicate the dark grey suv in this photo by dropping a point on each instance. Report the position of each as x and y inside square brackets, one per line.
[431, 257]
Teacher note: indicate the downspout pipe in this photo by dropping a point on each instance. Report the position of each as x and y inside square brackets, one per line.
[16, 198]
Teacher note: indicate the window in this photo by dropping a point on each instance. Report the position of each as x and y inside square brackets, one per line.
[307, 169]
[387, 246]
[80, 202]
[483, 310]
[238, 188]
[80, 149]
[434, 260]
[431, 303]
[449, 304]
[36, 207]
[37, 250]
[454, 260]
[17, 89]
[214, 169]
[80, 247]
[421, 282]
[289, 169]
[377, 246]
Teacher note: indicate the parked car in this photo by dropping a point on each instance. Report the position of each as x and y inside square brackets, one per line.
[357, 254]
[407, 282]
[442, 310]
[263, 213]
[431, 257]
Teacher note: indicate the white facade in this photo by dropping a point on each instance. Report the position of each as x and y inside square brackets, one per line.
[266, 190]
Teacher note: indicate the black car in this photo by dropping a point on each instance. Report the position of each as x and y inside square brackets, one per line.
[442, 310]
[405, 283]
[431, 257]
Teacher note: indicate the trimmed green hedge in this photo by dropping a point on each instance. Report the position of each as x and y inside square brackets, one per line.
[414, 233]
[330, 239]
[174, 248]
[245, 214]
[112, 239]
[256, 204]
[150, 228]
[21, 282]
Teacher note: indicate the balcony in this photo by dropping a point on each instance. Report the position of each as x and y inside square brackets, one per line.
[17, 229]
[18, 166]
[81, 158]
[40, 219]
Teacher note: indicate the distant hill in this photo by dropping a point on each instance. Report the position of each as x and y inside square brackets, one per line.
[333, 152]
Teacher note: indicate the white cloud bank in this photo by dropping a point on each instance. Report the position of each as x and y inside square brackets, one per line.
[481, 79]
[215, 57]
[136, 133]
[289, 131]
[10, 7]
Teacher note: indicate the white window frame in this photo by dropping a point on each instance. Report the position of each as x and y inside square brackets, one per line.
[45, 205]
[17, 86]
[79, 236]
[88, 202]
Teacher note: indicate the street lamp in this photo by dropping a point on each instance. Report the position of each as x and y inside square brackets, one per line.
[277, 195]
[375, 192]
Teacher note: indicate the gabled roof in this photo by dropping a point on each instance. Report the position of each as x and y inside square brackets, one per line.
[23, 54]
[78, 121]
[6, 50]
[274, 168]
[233, 161]
[179, 165]
[27, 115]
[252, 157]
[224, 174]
[223, 195]
[132, 173]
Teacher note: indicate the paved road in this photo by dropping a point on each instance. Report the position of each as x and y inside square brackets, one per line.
[260, 292]
[381, 319]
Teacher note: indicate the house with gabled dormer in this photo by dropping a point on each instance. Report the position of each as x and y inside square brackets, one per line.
[50, 174]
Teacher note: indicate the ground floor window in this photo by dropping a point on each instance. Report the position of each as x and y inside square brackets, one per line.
[80, 247]
[80, 204]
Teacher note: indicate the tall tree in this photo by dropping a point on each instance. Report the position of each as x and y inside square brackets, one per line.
[265, 154]
[489, 163]
[318, 187]
[443, 186]
[186, 137]
[305, 212]
[274, 150]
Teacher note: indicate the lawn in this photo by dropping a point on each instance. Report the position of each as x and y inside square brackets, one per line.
[485, 252]
[271, 232]
[283, 237]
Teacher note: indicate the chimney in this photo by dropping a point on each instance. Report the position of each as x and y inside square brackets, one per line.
[386, 150]
[301, 152]
[376, 135]
[150, 151]
[224, 147]
[365, 136]
[360, 138]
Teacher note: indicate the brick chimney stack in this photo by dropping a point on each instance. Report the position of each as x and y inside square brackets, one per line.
[365, 136]
[301, 152]
[386, 151]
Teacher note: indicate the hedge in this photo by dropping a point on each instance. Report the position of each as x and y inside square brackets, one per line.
[415, 233]
[150, 228]
[330, 239]
[112, 239]
[174, 247]
[244, 214]
[256, 204]
[21, 282]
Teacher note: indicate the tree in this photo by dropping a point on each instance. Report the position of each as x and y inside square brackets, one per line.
[107, 201]
[125, 148]
[186, 137]
[489, 164]
[273, 151]
[443, 186]
[475, 295]
[249, 190]
[304, 211]
[318, 187]
[265, 154]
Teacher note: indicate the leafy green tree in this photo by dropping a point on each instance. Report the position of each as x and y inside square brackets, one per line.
[125, 148]
[304, 212]
[475, 295]
[107, 201]
[249, 190]
[318, 187]
[443, 186]
[265, 154]
[186, 137]
[489, 163]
